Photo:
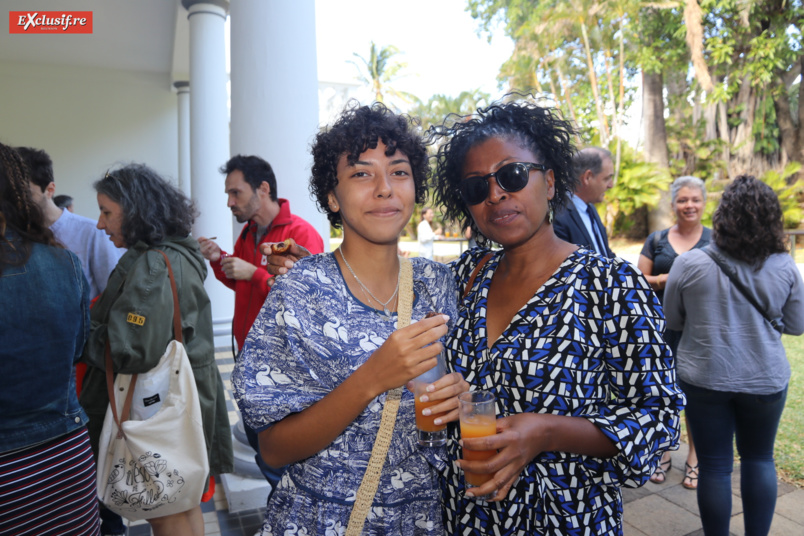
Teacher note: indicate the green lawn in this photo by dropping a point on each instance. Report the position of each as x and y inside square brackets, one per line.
[790, 440]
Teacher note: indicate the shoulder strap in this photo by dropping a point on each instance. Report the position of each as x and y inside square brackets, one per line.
[731, 274]
[177, 334]
[371, 478]
[476, 271]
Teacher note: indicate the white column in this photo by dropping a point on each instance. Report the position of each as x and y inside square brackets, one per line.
[275, 94]
[183, 100]
[209, 139]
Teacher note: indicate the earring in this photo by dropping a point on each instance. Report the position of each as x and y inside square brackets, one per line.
[550, 216]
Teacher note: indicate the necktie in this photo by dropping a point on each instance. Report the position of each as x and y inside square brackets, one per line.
[598, 235]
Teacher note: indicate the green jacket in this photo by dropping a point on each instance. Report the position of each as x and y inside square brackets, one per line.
[135, 313]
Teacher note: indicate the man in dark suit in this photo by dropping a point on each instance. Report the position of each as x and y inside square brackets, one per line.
[579, 223]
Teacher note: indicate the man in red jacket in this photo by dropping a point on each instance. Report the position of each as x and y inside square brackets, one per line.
[251, 188]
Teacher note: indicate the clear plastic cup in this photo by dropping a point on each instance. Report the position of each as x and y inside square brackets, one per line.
[429, 433]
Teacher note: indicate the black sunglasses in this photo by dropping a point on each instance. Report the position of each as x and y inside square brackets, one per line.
[511, 178]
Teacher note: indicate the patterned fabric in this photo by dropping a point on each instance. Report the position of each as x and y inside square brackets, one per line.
[311, 334]
[49, 489]
[587, 344]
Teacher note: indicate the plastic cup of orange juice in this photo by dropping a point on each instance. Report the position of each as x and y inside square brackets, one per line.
[478, 418]
[429, 433]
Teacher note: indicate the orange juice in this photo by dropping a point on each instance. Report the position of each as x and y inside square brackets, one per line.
[425, 422]
[477, 426]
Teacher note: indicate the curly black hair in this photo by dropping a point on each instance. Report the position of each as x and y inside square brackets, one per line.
[18, 212]
[358, 129]
[540, 129]
[748, 223]
[153, 209]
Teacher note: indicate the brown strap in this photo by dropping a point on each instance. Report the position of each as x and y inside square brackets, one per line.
[177, 334]
[119, 419]
[110, 389]
[476, 271]
[371, 478]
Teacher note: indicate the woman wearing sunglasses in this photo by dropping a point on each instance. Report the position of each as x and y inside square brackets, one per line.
[569, 342]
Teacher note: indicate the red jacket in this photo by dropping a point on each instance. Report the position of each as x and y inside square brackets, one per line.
[250, 295]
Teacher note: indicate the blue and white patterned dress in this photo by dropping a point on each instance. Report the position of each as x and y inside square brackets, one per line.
[310, 335]
[587, 344]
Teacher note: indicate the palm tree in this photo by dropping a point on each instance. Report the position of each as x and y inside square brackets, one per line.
[439, 106]
[379, 70]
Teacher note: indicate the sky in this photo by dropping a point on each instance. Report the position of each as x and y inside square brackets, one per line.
[437, 39]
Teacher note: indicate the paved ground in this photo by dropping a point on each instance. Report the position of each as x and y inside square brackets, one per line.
[669, 509]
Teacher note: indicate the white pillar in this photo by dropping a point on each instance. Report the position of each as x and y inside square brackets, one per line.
[183, 100]
[275, 94]
[209, 139]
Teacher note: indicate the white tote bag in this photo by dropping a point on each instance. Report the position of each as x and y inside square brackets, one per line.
[157, 466]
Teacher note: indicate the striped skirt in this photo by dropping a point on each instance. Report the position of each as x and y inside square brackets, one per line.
[49, 489]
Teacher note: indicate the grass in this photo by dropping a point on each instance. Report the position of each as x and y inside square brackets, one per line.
[790, 438]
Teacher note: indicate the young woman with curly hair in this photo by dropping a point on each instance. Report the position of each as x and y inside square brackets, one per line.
[569, 342]
[314, 374]
[731, 362]
[141, 211]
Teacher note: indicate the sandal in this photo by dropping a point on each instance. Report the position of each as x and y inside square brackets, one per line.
[691, 474]
[660, 474]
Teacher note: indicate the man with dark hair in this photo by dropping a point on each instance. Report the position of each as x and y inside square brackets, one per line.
[579, 223]
[251, 188]
[78, 234]
[64, 201]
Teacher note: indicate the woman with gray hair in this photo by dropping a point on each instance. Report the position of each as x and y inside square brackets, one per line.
[734, 300]
[688, 200]
[141, 211]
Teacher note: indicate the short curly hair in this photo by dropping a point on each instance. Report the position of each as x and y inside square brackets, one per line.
[358, 129]
[153, 209]
[748, 223]
[540, 129]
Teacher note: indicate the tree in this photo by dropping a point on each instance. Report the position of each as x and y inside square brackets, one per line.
[439, 106]
[433, 113]
[379, 70]
[739, 111]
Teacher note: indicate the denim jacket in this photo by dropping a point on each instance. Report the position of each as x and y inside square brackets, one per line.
[44, 322]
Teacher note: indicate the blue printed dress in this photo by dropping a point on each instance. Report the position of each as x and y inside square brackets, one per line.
[587, 344]
[310, 335]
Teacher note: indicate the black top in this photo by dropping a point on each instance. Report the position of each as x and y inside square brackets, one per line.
[658, 249]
